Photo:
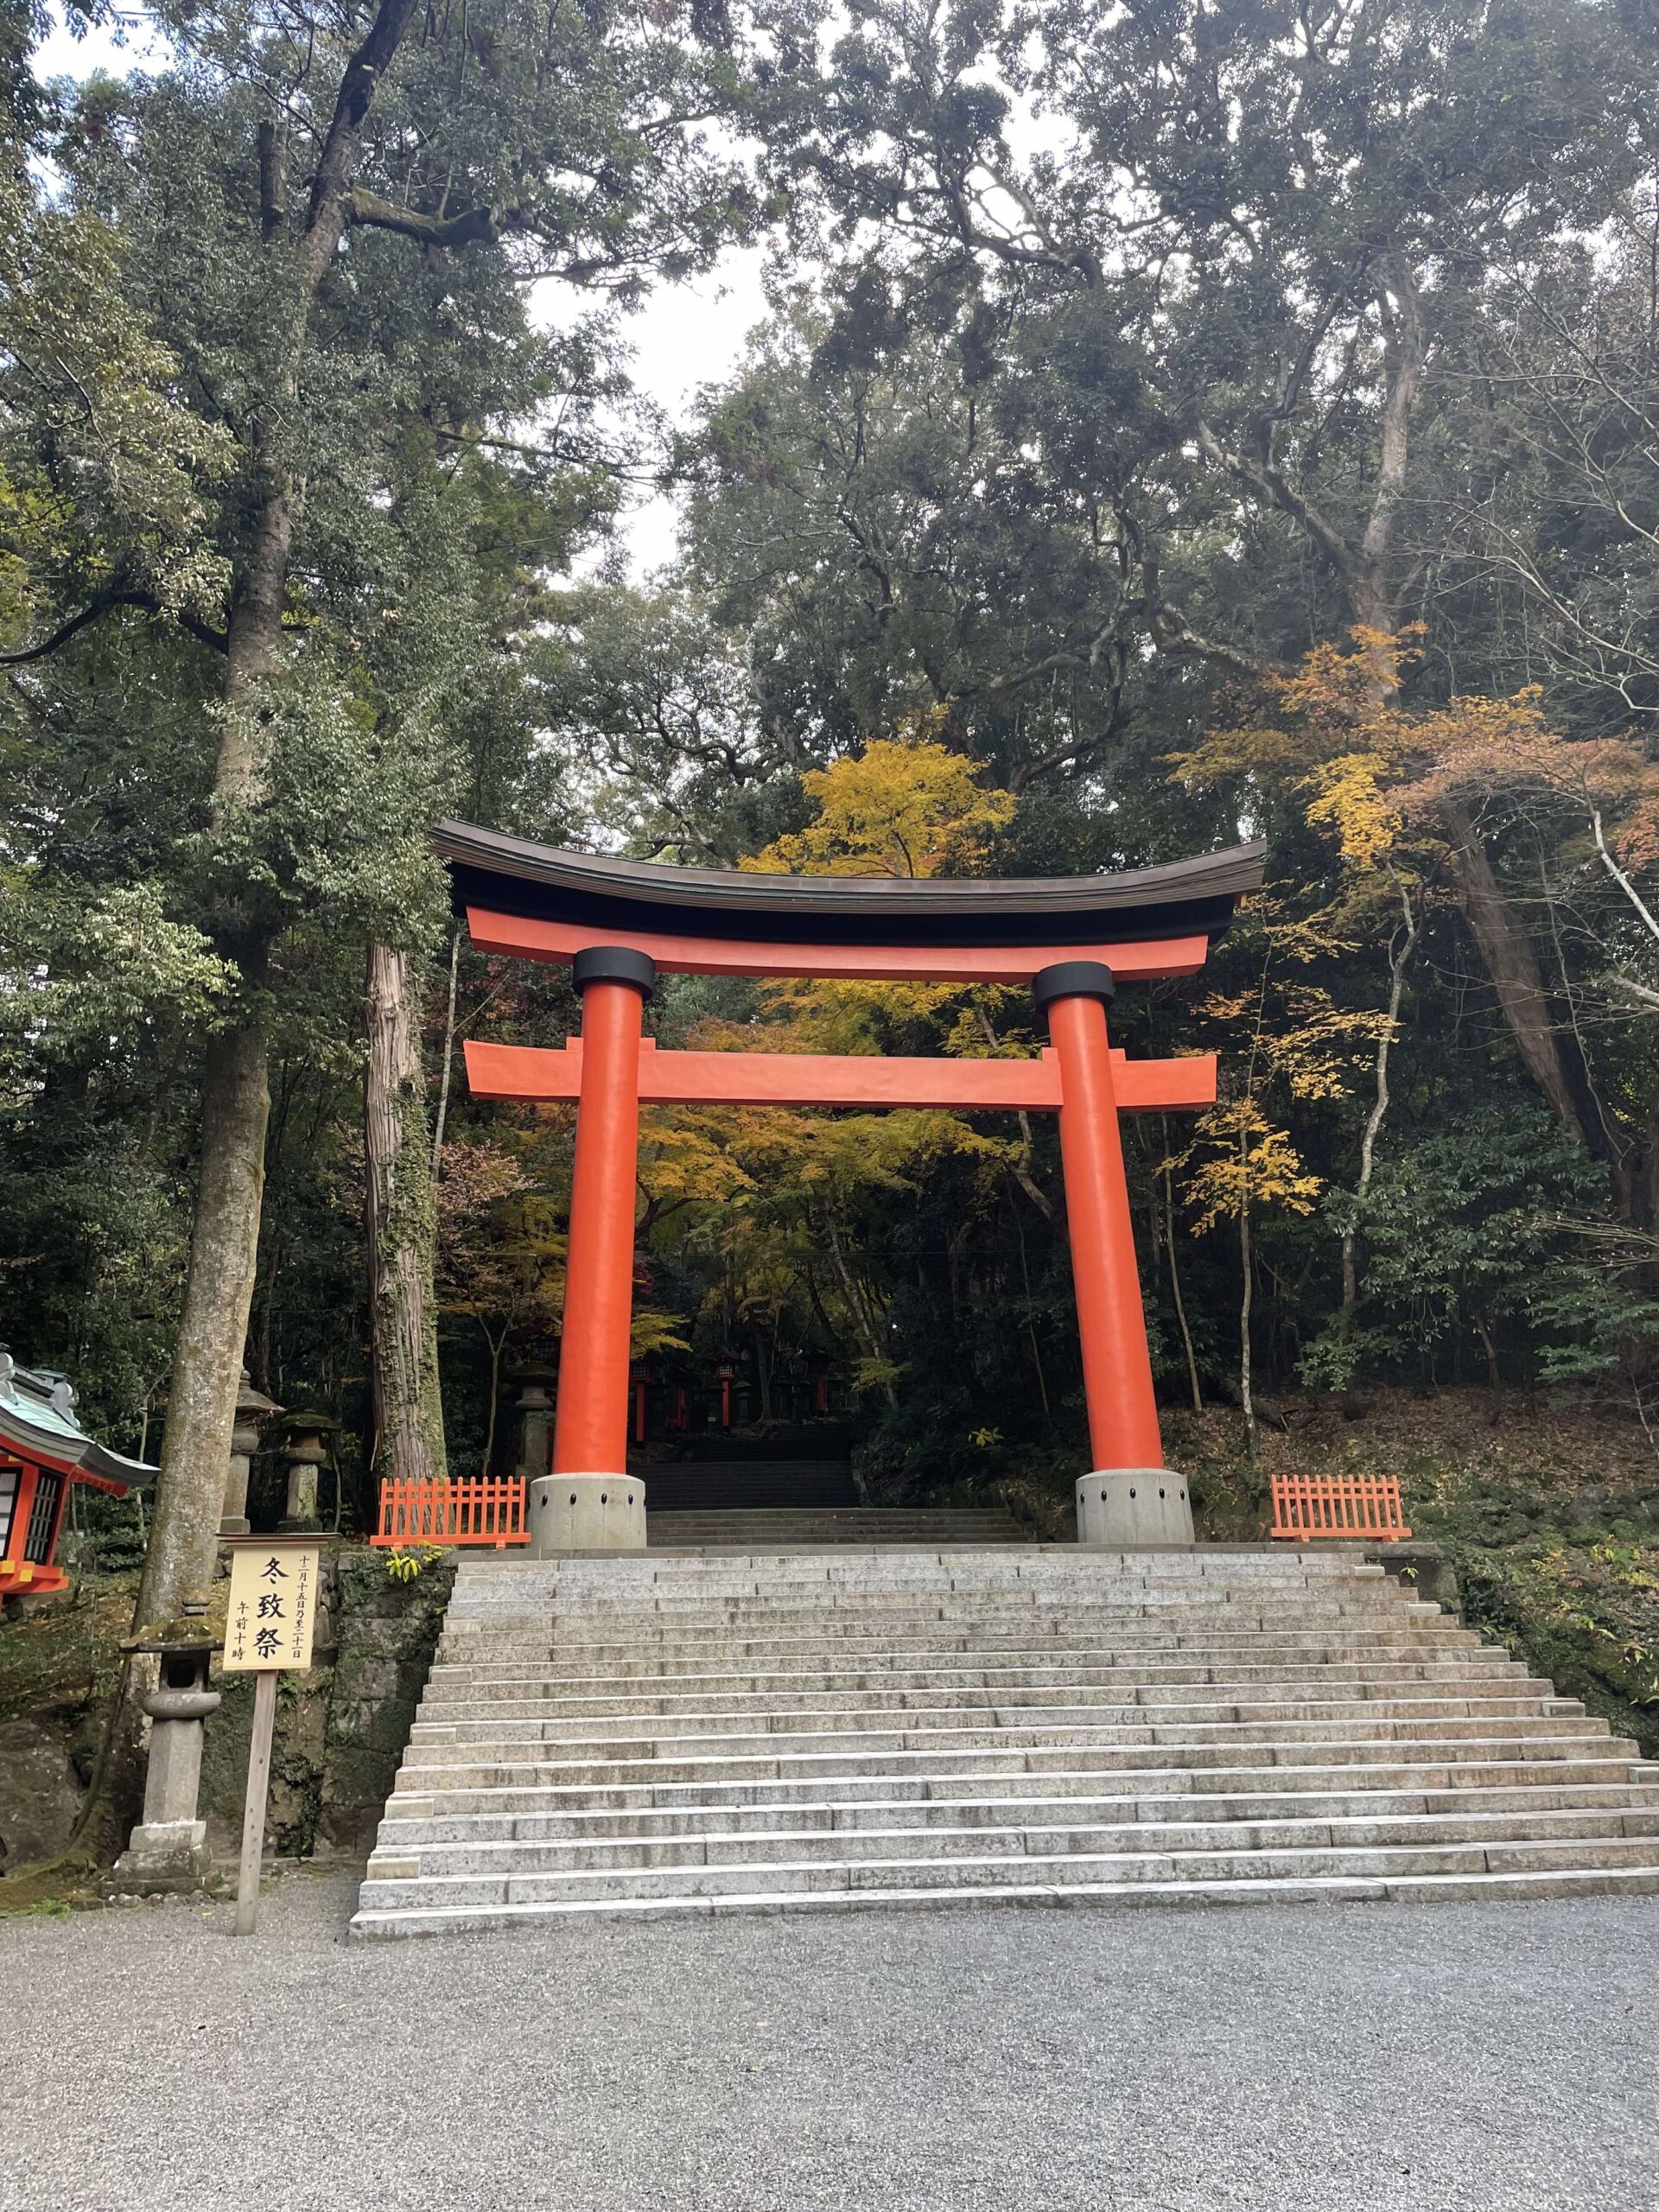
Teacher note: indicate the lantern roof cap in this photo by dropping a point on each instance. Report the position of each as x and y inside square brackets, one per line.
[250, 1400]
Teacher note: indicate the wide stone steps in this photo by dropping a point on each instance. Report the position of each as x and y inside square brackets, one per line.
[1100, 1686]
[431, 1918]
[933, 1795]
[623, 1664]
[680, 1633]
[1102, 1691]
[696, 1733]
[987, 1838]
[1259, 1663]
[905, 1762]
[719, 1735]
[645, 1826]
[1245, 1862]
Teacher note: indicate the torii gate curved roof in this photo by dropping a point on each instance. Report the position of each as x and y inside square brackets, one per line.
[511, 875]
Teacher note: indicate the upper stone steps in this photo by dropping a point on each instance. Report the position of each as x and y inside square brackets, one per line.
[829, 1627]
[586, 1697]
[867, 1572]
[921, 1594]
[963, 1751]
[778, 1658]
[753, 1528]
[632, 1579]
[1083, 1718]
[846, 1640]
[1223, 1562]
[1263, 1653]
[1114, 1595]
[699, 1732]
[1100, 1686]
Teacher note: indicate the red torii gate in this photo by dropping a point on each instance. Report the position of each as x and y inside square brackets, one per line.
[1072, 940]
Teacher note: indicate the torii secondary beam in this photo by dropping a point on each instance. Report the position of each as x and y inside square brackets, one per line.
[863, 1080]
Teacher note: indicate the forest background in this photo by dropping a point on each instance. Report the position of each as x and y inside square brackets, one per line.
[1169, 424]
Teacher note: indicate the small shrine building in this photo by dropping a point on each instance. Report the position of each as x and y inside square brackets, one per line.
[43, 1453]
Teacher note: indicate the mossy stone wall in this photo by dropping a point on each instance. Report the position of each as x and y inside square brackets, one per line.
[343, 1724]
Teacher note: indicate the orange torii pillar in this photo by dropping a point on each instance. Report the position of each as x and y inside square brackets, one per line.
[1129, 1497]
[590, 1502]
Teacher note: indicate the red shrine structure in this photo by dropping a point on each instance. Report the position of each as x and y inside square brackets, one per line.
[1072, 940]
[43, 1453]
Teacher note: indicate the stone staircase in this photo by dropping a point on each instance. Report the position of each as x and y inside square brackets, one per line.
[741, 1485]
[661, 1733]
[792, 1528]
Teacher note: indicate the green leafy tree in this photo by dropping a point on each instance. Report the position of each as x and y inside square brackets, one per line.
[328, 222]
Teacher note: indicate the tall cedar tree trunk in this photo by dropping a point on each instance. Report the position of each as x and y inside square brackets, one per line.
[1175, 1290]
[1246, 1300]
[235, 1096]
[402, 1228]
[1403, 944]
[1511, 965]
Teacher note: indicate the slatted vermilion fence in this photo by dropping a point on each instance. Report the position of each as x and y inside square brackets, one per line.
[1338, 1505]
[470, 1510]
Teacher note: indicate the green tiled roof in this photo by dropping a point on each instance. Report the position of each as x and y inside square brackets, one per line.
[37, 1421]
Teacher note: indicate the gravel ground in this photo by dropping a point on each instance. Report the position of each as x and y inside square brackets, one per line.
[1298, 2059]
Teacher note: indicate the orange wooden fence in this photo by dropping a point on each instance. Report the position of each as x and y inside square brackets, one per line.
[471, 1510]
[1337, 1505]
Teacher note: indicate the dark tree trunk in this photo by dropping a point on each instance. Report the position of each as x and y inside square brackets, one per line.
[401, 1229]
[1512, 964]
[235, 1096]
[207, 1360]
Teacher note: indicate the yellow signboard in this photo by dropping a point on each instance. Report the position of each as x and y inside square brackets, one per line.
[273, 1607]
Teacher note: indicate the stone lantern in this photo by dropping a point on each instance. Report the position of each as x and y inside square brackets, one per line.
[533, 1416]
[305, 1451]
[253, 1410]
[167, 1850]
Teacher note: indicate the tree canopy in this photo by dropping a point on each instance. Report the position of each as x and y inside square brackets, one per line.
[1171, 422]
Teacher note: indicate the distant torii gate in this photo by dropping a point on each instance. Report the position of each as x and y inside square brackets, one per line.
[1073, 939]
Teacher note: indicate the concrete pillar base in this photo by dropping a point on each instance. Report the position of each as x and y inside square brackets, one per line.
[163, 1858]
[1134, 1505]
[301, 1516]
[586, 1513]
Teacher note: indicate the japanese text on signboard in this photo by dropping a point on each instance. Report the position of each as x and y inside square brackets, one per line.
[272, 1607]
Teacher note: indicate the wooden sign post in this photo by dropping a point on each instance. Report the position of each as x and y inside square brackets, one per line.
[272, 1609]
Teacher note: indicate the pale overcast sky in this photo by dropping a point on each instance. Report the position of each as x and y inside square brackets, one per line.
[685, 337]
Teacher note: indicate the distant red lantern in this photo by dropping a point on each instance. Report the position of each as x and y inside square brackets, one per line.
[639, 1377]
[726, 1371]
